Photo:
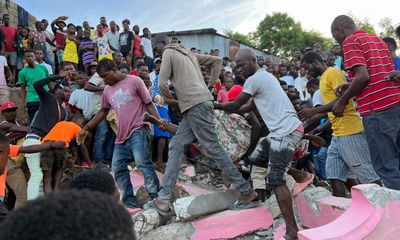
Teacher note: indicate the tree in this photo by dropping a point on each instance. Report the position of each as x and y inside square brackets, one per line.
[387, 27]
[281, 35]
[364, 24]
[242, 38]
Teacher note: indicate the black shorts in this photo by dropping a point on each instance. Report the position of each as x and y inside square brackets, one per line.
[53, 158]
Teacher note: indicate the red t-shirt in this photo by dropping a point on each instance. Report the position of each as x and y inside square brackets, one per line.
[366, 49]
[60, 39]
[10, 34]
[136, 48]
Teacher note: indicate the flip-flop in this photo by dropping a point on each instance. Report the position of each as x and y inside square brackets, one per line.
[242, 204]
[152, 205]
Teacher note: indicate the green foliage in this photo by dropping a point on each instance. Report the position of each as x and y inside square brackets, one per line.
[242, 38]
[387, 27]
[363, 24]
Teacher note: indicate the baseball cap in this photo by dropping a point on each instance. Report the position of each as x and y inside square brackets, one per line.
[234, 92]
[8, 105]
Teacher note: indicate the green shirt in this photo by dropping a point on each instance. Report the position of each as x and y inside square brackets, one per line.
[27, 76]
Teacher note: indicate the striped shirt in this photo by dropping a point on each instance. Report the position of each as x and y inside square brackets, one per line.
[368, 50]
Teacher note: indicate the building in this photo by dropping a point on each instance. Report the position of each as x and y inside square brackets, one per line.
[208, 38]
[18, 15]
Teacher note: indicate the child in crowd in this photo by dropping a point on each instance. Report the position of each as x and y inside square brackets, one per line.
[71, 46]
[52, 160]
[86, 48]
[22, 41]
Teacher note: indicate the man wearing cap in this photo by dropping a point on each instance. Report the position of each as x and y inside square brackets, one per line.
[16, 179]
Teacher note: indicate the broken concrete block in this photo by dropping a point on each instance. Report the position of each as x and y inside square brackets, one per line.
[230, 224]
[147, 220]
[317, 207]
[143, 197]
[173, 231]
[373, 214]
[137, 180]
[196, 206]
[189, 171]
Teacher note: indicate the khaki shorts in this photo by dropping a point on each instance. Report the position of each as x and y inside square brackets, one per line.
[53, 158]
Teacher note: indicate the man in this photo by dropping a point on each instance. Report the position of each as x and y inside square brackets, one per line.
[82, 99]
[215, 53]
[57, 26]
[318, 49]
[181, 66]
[50, 112]
[126, 40]
[50, 48]
[286, 130]
[113, 37]
[348, 151]
[39, 56]
[102, 151]
[145, 45]
[260, 62]
[337, 52]
[300, 84]
[5, 74]
[105, 29]
[137, 50]
[392, 45]
[10, 40]
[6, 151]
[127, 94]
[368, 62]
[284, 75]
[38, 40]
[26, 77]
[87, 27]
[16, 179]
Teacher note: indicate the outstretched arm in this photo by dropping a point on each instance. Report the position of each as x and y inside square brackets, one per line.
[41, 147]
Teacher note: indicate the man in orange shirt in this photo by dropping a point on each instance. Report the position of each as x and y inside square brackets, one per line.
[6, 151]
[51, 161]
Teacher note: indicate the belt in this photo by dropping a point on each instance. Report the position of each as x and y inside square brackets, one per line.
[32, 136]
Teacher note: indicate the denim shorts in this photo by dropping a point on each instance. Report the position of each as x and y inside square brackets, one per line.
[280, 153]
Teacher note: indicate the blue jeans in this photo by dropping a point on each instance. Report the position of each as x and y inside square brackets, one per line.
[48, 60]
[382, 131]
[103, 142]
[137, 147]
[319, 159]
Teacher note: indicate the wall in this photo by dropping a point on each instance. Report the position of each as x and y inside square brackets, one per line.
[10, 7]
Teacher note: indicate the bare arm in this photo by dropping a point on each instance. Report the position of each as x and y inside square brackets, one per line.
[90, 126]
[10, 127]
[152, 110]
[234, 105]
[85, 153]
[41, 147]
[93, 88]
[23, 93]
[358, 84]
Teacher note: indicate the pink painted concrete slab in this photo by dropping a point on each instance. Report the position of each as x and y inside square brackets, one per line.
[189, 171]
[133, 210]
[230, 224]
[330, 208]
[355, 223]
[137, 180]
[281, 230]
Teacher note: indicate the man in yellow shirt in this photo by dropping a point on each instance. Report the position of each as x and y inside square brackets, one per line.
[348, 152]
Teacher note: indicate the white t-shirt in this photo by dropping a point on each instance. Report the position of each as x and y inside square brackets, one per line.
[82, 99]
[146, 43]
[317, 99]
[3, 63]
[288, 79]
[301, 85]
[97, 97]
[273, 104]
[48, 67]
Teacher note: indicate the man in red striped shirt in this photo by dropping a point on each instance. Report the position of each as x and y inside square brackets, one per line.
[368, 62]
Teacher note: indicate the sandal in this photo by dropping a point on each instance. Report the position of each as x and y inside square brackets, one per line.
[242, 204]
[152, 205]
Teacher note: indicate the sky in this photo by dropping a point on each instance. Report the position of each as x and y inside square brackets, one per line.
[238, 15]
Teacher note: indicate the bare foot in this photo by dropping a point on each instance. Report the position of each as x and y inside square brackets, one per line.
[250, 196]
[162, 206]
[301, 186]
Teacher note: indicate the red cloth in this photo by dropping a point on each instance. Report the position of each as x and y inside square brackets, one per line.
[366, 49]
[136, 48]
[10, 34]
[223, 96]
[60, 39]
[218, 86]
[134, 73]
[234, 92]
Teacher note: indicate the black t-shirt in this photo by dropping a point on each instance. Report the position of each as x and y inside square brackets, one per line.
[1, 39]
[49, 112]
[125, 41]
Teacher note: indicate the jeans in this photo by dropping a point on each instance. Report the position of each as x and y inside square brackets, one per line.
[137, 147]
[32, 109]
[319, 159]
[103, 144]
[382, 131]
[33, 161]
[49, 61]
[198, 123]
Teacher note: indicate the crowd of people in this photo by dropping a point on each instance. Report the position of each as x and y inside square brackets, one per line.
[322, 117]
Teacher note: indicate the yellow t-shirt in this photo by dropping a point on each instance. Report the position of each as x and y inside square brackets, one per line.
[351, 122]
